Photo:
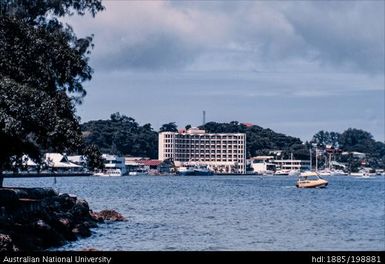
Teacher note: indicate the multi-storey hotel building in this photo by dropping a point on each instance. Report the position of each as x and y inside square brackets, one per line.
[222, 153]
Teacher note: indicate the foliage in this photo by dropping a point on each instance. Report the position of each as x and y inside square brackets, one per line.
[259, 141]
[323, 138]
[169, 127]
[122, 135]
[354, 140]
[42, 67]
[94, 157]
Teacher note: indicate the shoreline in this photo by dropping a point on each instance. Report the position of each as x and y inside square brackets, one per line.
[36, 175]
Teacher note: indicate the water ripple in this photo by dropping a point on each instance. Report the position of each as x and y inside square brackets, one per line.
[229, 213]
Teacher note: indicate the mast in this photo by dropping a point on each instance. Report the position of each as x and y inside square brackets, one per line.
[310, 159]
[204, 117]
[316, 159]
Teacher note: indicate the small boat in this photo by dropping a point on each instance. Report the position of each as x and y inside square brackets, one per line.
[311, 179]
[294, 173]
[109, 173]
[195, 170]
[282, 172]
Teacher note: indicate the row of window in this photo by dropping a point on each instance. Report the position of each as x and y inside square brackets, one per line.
[202, 146]
[202, 151]
[218, 158]
[198, 156]
[205, 136]
[210, 142]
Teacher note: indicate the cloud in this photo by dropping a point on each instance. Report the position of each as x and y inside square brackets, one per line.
[346, 35]
[224, 35]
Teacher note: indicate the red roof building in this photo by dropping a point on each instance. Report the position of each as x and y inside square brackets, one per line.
[248, 124]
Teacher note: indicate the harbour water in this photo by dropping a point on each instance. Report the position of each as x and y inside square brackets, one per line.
[220, 213]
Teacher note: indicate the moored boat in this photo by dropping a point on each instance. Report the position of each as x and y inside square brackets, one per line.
[109, 173]
[311, 179]
[195, 170]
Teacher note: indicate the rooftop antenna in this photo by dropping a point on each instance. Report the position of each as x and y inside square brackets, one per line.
[204, 117]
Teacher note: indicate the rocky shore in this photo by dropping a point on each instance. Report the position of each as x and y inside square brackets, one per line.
[40, 218]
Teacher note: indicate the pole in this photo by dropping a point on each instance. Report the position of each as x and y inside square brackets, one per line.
[204, 117]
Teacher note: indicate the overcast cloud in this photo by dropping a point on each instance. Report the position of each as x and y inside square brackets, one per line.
[343, 35]
[246, 51]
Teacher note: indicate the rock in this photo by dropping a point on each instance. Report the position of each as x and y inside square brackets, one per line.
[110, 215]
[66, 201]
[82, 231]
[39, 218]
[39, 193]
[80, 209]
[6, 243]
[8, 196]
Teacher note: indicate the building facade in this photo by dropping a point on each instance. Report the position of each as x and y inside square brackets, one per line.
[222, 153]
[291, 164]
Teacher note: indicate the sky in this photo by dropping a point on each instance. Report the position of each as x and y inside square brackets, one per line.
[296, 67]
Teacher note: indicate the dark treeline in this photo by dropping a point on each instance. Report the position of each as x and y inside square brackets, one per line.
[353, 140]
[124, 136]
[260, 141]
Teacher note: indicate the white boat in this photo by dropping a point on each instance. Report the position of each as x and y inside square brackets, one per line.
[109, 173]
[294, 173]
[195, 170]
[361, 174]
[311, 179]
[338, 173]
[137, 173]
[282, 172]
[325, 172]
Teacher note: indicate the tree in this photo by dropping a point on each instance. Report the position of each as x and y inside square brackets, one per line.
[42, 67]
[323, 138]
[122, 135]
[94, 160]
[258, 140]
[357, 140]
[169, 127]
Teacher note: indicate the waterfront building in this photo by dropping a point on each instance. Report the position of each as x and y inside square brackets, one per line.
[134, 166]
[221, 152]
[60, 163]
[114, 164]
[267, 164]
[80, 160]
[262, 164]
[291, 164]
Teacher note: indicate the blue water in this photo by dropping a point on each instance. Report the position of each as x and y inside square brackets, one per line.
[229, 212]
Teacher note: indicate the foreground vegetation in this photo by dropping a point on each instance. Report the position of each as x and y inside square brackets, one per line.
[42, 67]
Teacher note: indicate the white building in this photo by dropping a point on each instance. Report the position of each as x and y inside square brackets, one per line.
[222, 153]
[114, 163]
[263, 164]
[292, 164]
[60, 163]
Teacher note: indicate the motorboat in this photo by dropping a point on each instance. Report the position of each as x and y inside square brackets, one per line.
[109, 173]
[282, 172]
[310, 179]
[294, 173]
[195, 170]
